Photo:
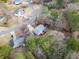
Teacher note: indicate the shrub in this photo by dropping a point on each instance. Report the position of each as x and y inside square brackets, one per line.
[31, 43]
[72, 44]
[43, 42]
[60, 3]
[54, 15]
[50, 5]
[72, 17]
[59, 53]
[5, 51]
[45, 11]
[29, 55]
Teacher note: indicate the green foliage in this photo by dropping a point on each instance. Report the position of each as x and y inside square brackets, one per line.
[5, 51]
[3, 6]
[46, 0]
[52, 49]
[72, 17]
[54, 15]
[19, 55]
[44, 42]
[55, 4]
[31, 43]
[60, 3]
[29, 55]
[50, 5]
[73, 1]
[59, 53]
[72, 44]
[45, 11]
[3, 1]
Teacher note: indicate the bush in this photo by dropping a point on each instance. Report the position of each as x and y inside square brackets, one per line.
[31, 43]
[5, 51]
[51, 48]
[72, 17]
[54, 15]
[60, 3]
[43, 42]
[72, 44]
[59, 53]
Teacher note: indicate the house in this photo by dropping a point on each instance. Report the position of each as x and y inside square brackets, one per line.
[40, 29]
[19, 12]
[2, 18]
[17, 2]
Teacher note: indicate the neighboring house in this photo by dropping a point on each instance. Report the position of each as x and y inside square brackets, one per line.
[2, 18]
[19, 12]
[17, 1]
[40, 29]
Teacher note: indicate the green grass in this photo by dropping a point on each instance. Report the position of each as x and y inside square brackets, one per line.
[5, 51]
[19, 55]
[45, 11]
[29, 55]
[3, 1]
